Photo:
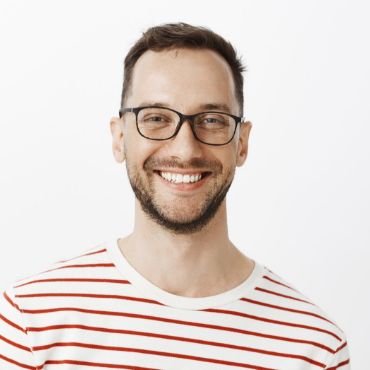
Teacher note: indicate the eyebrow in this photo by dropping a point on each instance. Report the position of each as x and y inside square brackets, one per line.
[208, 106]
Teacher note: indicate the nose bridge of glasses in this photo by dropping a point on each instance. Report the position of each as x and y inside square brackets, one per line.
[186, 118]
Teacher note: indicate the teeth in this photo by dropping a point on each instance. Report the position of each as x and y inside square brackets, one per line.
[178, 178]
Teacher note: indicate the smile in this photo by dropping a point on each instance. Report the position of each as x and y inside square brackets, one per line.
[179, 178]
[182, 178]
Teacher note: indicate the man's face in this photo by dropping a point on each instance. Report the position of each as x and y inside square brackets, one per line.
[184, 80]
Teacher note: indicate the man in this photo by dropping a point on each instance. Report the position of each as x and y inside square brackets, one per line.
[176, 293]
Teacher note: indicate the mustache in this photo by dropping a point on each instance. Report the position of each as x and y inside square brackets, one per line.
[195, 163]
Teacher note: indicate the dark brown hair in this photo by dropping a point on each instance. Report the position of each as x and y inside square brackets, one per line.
[183, 35]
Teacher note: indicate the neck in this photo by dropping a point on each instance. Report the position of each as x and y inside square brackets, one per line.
[177, 263]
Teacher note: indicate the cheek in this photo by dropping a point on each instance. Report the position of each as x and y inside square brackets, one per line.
[138, 149]
[227, 156]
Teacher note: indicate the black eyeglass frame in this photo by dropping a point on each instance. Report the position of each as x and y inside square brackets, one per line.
[183, 118]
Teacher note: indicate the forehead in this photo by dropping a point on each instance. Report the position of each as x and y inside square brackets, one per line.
[183, 79]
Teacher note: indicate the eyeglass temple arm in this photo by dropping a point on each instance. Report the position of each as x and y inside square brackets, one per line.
[123, 110]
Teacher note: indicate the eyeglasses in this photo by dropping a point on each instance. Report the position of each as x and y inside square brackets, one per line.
[158, 123]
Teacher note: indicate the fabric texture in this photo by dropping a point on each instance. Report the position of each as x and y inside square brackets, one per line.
[95, 311]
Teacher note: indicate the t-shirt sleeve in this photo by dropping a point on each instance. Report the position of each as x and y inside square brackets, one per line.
[15, 348]
[340, 359]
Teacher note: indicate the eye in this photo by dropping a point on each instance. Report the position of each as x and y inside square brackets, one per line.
[213, 120]
[153, 118]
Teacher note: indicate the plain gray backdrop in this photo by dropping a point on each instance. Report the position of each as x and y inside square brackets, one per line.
[300, 204]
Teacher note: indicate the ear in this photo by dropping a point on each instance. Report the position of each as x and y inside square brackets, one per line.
[117, 130]
[242, 152]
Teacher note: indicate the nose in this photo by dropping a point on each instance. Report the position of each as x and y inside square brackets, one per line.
[184, 145]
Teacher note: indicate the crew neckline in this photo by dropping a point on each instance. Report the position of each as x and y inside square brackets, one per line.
[152, 291]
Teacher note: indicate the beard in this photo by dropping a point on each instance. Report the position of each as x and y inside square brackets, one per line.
[178, 224]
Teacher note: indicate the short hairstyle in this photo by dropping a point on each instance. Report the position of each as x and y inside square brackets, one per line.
[183, 35]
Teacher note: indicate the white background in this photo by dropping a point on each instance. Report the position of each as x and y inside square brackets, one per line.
[300, 204]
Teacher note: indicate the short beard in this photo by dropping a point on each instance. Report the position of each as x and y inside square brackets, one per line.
[211, 207]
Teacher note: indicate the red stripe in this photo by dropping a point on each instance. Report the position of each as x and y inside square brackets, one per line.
[87, 295]
[95, 364]
[10, 301]
[62, 261]
[11, 323]
[170, 337]
[118, 281]
[346, 362]
[277, 282]
[341, 347]
[281, 295]
[181, 322]
[286, 309]
[23, 366]
[164, 354]
[273, 321]
[83, 255]
[82, 265]
[86, 265]
[20, 346]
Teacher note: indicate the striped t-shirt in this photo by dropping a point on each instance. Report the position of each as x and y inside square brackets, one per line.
[95, 311]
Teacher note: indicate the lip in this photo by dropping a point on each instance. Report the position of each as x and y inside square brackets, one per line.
[182, 171]
[182, 187]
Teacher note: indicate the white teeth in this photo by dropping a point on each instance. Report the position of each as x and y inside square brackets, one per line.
[179, 178]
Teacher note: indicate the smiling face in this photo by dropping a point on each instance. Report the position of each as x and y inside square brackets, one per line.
[180, 183]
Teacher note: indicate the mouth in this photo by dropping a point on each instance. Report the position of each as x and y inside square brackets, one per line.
[182, 178]
[183, 181]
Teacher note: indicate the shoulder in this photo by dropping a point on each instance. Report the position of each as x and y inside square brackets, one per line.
[276, 292]
[60, 271]
[24, 302]
[290, 316]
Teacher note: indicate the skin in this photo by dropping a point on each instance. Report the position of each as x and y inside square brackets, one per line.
[196, 263]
